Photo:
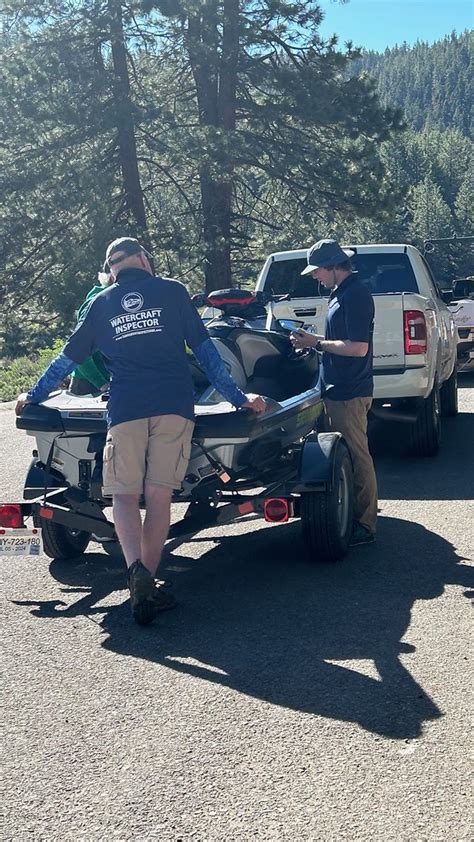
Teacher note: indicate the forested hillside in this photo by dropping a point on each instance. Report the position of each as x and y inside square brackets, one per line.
[433, 159]
[216, 135]
[432, 83]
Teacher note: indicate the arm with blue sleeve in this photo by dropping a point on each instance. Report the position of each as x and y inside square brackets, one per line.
[57, 370]
[211, 361]
[198, 339]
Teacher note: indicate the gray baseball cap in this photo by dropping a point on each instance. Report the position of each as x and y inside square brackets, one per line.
[326, 253]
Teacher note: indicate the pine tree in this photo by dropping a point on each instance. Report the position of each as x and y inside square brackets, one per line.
[247, 78]
[431, 217]
[69, 171]
[433, 84]
[464, 208]
[257, 71]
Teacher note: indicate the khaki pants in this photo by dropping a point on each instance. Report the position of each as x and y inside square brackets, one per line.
[153, 450]
[350, 419]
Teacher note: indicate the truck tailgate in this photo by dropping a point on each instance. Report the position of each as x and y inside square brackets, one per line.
[389, 341]
[389, 344]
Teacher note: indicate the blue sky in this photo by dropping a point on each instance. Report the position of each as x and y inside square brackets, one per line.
[376, 24]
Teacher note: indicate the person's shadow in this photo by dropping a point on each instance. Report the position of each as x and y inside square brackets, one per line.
[257, 616]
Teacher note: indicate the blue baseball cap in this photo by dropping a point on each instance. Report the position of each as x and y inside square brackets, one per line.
[326, 253]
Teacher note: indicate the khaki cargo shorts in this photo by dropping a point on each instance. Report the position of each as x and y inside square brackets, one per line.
[154, 450]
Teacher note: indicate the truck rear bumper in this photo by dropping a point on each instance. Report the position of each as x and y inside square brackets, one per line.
[396, 383]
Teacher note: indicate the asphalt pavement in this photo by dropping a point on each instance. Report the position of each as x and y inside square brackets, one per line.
[282, 700]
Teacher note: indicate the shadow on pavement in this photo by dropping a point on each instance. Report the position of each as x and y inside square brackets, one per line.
[94, 574]
[447, 476]
[257, 617]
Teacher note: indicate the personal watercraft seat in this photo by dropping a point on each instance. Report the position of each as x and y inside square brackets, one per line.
[259, 360]
[262, 361]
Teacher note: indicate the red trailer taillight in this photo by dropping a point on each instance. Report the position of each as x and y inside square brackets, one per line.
[276, 510]
[45, 513]
[11, 516]
[415, 332]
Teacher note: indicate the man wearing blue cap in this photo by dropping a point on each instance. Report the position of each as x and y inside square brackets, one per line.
[346, 370]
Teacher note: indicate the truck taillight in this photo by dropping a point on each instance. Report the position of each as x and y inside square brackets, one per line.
[415, 332]
[11, 516]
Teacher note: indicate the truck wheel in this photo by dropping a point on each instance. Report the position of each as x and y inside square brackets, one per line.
[425, 433]
[448, 395]
[59, 541]
[326, 516]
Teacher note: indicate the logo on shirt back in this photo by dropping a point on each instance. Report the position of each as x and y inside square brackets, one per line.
[136, 322]
[132, 301]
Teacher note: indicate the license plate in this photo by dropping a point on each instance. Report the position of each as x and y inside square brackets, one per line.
[471, 355]
[21, 542]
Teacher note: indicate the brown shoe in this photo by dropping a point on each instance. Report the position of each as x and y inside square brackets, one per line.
[147, 598]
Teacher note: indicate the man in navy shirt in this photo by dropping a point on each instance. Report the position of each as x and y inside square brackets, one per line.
[141, 325]
[346, 371]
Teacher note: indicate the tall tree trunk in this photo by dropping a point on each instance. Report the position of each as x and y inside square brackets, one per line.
[216, 199]
[215, 77]
[125, 124]
[229, 62]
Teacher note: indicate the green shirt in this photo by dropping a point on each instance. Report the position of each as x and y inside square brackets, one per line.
[93, 369]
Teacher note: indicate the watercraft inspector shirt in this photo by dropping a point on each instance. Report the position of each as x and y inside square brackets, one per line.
[141, 325]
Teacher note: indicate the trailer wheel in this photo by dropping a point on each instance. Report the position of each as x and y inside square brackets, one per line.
[59, 541]
[425, 433]
[448, 395]
[326, 517]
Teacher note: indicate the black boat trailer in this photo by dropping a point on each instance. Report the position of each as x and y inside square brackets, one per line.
[276, 503]
[316, 486]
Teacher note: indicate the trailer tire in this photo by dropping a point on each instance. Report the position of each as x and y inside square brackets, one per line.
[326, 516]
[60, 542]
[448, 395]
[425, 433]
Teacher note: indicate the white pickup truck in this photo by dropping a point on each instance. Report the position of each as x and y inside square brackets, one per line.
[415, 338]
[461, 306]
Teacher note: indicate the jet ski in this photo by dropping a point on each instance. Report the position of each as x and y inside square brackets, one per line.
[273, 465]
[70, 429]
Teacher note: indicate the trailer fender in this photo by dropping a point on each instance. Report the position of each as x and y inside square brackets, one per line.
[317, 458]
[37, 478]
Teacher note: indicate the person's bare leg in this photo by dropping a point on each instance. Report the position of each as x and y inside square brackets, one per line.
[128, 525]
[156, 525]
